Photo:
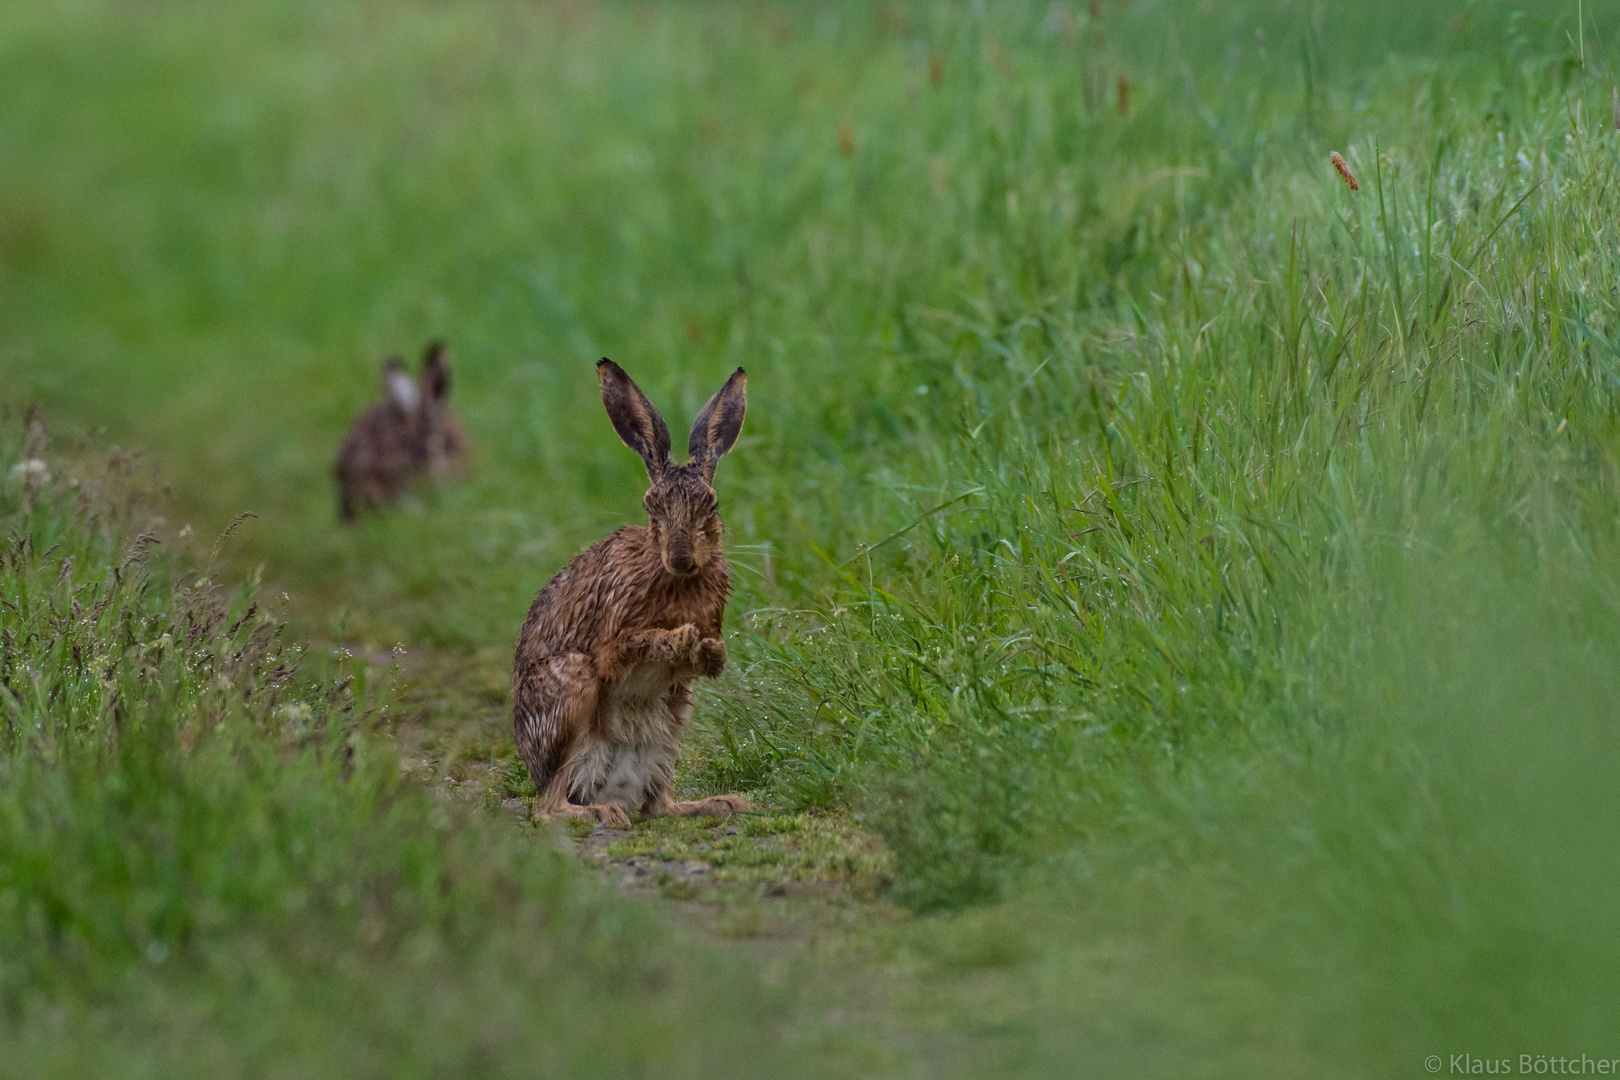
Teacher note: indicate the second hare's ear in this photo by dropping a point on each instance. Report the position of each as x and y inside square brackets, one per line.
[716, 428]
[436, 372]
[401, 388]
[634, 417]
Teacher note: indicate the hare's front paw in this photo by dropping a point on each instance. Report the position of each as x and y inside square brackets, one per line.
[607, 814]
[709, 658]
[681, 641]
[603, 813]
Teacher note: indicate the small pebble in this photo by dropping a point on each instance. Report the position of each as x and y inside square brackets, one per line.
[703, 847]
[731, 830]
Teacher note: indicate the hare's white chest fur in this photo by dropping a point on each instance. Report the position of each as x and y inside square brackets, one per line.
[642, 737]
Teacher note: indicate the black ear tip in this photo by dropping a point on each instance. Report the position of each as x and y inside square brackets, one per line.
[435, 351]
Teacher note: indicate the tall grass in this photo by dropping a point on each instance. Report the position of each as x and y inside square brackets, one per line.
[1273, 611]
[1155, 529]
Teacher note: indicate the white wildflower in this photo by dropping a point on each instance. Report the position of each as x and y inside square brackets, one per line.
[33, 472]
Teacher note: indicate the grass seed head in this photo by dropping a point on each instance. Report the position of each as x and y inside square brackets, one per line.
[1343, 170]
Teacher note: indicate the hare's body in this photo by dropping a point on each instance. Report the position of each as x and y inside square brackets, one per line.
[379, 458]
[446, 445]
[411, 431]
[602, 677]
[598, 680]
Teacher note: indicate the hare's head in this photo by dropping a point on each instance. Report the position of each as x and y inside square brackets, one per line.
[420, 401]
[682, 509]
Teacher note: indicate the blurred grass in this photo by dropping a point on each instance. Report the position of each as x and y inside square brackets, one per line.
[1210, 568]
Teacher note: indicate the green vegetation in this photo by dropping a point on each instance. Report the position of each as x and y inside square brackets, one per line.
[1203, 578]
[210, 865]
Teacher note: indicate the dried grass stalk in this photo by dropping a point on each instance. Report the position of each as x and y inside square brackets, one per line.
[1343, 170]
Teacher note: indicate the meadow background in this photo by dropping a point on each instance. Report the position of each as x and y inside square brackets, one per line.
[1202, 577]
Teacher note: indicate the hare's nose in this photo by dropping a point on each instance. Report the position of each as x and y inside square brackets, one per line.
[681, 562]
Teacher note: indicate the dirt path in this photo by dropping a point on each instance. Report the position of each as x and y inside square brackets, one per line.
[771, 873]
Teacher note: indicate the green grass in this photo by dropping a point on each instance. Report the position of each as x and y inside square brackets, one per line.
[1203, 578]
[210, 863]
[767, 852]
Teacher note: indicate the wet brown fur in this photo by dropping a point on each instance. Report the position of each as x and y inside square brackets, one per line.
[395, 441]
[601, 681]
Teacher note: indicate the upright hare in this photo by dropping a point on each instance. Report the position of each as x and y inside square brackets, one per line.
[602, 680]
[412, 431]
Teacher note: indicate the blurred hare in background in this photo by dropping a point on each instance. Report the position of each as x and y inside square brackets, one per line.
[410, 432]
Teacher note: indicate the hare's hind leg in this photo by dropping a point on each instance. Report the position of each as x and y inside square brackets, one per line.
[663, 803]
[713, 806]
[552, 705]
[661, 798]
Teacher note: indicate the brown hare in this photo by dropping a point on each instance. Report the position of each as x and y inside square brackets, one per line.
[602, 679]
[412, 431]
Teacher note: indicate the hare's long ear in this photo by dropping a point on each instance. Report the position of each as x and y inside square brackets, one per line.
[634, 417]
[436, 372]
[716, 428]
[399, 385]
